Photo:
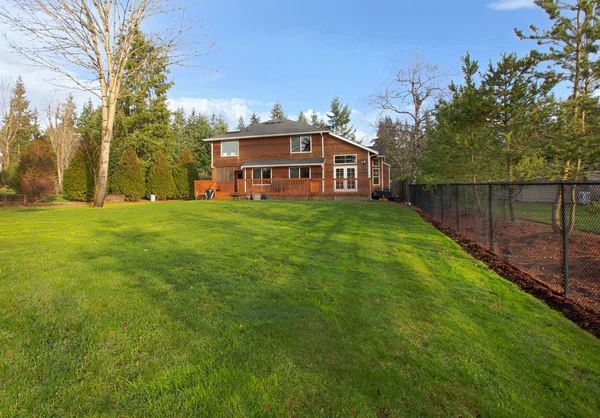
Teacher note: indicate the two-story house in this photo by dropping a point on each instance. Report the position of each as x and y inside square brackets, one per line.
[284, 159]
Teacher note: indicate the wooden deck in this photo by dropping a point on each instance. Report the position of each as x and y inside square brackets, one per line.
[283, 189]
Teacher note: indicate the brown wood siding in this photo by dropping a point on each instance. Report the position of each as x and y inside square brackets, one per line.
[335, 146]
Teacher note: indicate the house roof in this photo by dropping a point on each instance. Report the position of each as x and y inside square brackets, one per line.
[380, 149]
[297, 162]
[275, 127]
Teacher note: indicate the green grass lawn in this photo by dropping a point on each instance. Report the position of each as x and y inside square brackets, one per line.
[224, 309]
[585, 219]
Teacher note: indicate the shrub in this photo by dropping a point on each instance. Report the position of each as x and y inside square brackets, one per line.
[37, 184]
[160, 179]
[34, 175]
[8, 176]
[78, 180]
[128, 178]
[592, 208]
[184, 174]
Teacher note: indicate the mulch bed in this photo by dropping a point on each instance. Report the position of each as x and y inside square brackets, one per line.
[583, 317]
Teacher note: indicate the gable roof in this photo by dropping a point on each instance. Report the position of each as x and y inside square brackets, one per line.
[275, 127]
[380, 149]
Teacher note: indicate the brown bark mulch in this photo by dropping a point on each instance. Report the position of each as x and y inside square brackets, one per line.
[581, 316]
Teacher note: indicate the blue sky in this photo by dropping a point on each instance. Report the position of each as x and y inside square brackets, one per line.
[304, 53]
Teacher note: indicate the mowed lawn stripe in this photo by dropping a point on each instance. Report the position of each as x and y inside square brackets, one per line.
[271, 309]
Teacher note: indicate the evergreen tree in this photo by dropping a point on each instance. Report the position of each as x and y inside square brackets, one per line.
[317, 122]
[184, 174]
[339, 119]
[277, 112]
[241, 124]
[302, 118]
[178, 126]
[254, 118]
[19, 128]
[160, 179]
[461, 145]
[143, 115]
[515, 108]
[128, 178]
[392, 135]
[79, 182]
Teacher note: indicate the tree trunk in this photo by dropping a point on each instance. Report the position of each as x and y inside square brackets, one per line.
[108, 117]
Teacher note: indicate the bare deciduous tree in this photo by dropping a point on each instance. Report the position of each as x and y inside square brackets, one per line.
[412, 95]
[90, 42]
[62, 135]
[8, 123]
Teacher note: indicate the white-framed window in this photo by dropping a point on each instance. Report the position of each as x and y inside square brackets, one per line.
[261, 176]
[345, 179]
[376, 162]
[376, 177]
[230, 149]
[300, 144]
[344, 159]
[299, 172]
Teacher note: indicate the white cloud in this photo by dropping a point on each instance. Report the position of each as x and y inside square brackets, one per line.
[511, 4]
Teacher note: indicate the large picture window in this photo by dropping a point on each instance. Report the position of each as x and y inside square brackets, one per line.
[230, 149]
[300, 172]
[345, 159]
[300, 144]
[376, 177]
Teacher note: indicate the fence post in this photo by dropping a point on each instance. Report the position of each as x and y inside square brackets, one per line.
[442, 194]
[565, 238]
[457, 210]
[491, 215]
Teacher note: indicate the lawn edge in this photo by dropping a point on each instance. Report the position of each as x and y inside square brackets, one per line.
[581, 316]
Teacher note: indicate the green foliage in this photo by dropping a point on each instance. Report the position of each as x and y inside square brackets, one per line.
[302, 118]
[184, 174]
[78, 181]
[277, 111]
[317, 122]
[7, 176]
[35, 172]
[128, 178]
[593, 208]
[241, 124]
[143, 116]
[339, 119]
[254, 118]
[160, 179]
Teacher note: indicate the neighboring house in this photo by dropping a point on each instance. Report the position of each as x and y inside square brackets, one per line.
[284, 159]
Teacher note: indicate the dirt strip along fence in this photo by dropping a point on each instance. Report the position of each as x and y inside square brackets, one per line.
[548, 230]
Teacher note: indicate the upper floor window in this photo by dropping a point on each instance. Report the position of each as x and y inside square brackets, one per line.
[300, 144]
[345, 159]
[376, 177]
[230, 149]
[376, 162]
[299, 172]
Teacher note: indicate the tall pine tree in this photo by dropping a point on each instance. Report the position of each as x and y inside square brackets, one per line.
[277, 111]
[254, 118]
[302, 118]
[339, 119]
[143, 115]
[241, 124]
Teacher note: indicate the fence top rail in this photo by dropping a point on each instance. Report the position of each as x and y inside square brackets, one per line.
[515, 183]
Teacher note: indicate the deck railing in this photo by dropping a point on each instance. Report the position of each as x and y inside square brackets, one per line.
[305, 187]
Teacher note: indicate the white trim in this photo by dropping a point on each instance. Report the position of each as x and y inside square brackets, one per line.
[322, 146]
[345, 178]
[378, 176]
[369, 164]
[212, 165]
[301, 136]
[378, 162]
[228, 156]
[265, 136]
[389, 165]
[261, 178]
[299, 166]
[292, 164]
[345, 155]
[354, 143]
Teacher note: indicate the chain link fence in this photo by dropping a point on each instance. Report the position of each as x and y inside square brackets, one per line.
[549, 230]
